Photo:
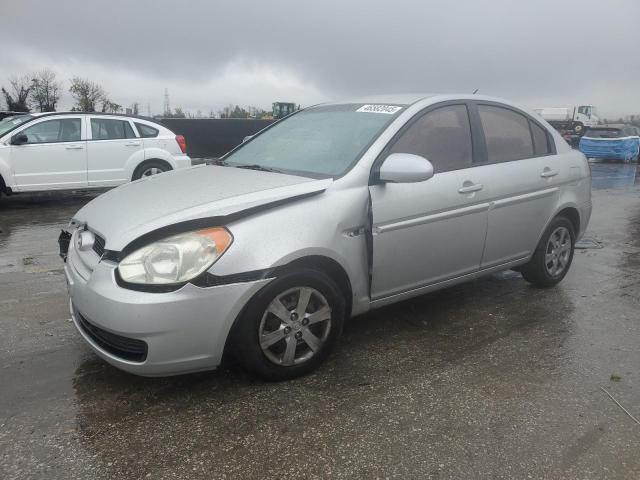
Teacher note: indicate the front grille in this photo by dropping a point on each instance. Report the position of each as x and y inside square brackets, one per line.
[117, 345]
[98, 245]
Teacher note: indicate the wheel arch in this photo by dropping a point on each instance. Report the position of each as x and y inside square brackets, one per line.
[322, 263]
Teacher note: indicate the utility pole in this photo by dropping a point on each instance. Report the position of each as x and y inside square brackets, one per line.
[167, 107]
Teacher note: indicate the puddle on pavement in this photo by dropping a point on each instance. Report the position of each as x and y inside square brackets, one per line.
[614, 175]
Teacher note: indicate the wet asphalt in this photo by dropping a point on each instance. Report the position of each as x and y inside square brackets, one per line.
[490, 379]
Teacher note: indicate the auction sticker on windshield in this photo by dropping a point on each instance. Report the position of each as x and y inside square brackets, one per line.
[388, 109]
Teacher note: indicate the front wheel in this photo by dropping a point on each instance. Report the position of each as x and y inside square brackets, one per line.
[553, 256]
[289, 328]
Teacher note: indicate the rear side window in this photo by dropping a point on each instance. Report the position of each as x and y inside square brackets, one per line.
[146, 131]
[540, 139]
[442, 136]
[54, 131]
[507, 134]
[110, 129]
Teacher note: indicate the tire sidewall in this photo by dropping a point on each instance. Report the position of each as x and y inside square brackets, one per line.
[137, 174]
[244, 338]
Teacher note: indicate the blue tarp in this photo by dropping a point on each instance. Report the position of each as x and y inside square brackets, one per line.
[625, 148]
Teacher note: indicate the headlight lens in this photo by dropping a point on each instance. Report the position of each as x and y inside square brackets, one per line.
[175, 259]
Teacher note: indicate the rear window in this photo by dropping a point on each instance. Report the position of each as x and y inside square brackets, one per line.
[603, 133]
[110, 129]
[507, 134]
[146, 131]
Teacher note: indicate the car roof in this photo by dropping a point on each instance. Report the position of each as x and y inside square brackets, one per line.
[406, 99]
[47, 114]
[393, 99]
[610, 125]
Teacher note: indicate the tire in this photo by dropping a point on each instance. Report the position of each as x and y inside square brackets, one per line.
[578, 127]
[283, 353]
[555, 250]
[149, 168]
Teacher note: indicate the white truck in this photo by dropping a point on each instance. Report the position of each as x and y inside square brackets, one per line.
[570, 119]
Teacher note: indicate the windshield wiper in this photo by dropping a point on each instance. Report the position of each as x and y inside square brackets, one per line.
[255, 166]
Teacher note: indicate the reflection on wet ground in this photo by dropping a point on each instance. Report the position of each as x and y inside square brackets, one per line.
[491, 379]
[614, 175]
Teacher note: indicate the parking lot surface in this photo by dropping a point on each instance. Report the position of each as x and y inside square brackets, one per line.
[489, 379]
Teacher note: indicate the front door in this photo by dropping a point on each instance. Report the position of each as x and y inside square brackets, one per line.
[427, 232]
[54, 156]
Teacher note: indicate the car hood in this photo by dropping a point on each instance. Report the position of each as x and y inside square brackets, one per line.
[125, 213]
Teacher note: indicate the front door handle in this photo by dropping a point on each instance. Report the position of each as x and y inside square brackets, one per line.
[548, 173]
[74, 147]
[133, 144]
[470, 187]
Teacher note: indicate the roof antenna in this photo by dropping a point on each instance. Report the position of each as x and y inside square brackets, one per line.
[475, 91]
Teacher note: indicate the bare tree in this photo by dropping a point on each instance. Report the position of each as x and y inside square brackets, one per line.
[87, 94]
[110, 107]
[46, 91]
[18, 94]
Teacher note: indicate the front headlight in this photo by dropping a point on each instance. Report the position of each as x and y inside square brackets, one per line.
[175, 259]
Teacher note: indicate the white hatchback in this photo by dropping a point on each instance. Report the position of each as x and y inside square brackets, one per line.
[66, 151]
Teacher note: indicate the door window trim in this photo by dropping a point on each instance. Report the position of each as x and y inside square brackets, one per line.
[551, 145]
[374, 175]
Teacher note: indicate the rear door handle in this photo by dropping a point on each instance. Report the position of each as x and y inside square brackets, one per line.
[74, 147]
[132, 144]
[470, 187]
[548, 173]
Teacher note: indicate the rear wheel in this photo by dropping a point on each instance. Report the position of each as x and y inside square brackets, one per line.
[290, 327]
[553, 256]
[150, 168]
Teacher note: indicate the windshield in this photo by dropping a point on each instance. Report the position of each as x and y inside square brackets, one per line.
[9, 123]
[602, 133]
[318, 142]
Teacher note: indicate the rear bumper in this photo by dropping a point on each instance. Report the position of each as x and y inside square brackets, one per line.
[171, 333]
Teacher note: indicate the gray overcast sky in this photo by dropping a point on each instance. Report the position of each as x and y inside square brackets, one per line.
[212, 53]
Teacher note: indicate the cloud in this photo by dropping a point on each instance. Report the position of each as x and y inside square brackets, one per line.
[209, 54]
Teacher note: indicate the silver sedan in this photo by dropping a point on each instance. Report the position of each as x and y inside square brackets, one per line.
[333, 211]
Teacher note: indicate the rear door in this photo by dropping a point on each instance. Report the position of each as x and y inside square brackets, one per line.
[522, 175]
[430, 231]
[113, 148]
[54, 156]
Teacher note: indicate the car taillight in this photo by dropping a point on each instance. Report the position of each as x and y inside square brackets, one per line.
[182, 143]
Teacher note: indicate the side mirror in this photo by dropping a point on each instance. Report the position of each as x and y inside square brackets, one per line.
[19, 139]
[405, 168]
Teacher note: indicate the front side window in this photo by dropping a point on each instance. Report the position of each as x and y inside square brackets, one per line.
[110, 129]
[54, 131]
[506, 133]
[442, 136]
[318, 142]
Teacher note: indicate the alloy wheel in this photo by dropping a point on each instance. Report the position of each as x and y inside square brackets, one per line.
[558, 251]
[295, 326]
